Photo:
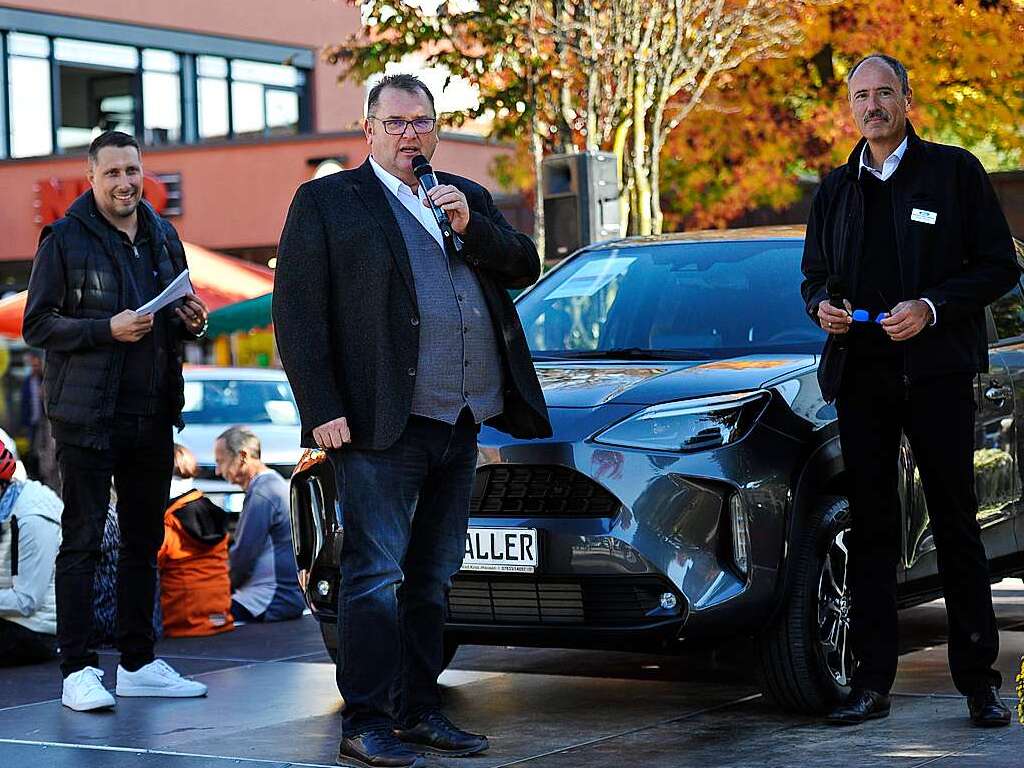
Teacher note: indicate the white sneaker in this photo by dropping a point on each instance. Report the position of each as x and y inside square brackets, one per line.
[157, 678]
[83, 691]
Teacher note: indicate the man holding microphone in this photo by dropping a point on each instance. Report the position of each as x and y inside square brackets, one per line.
[399, 340]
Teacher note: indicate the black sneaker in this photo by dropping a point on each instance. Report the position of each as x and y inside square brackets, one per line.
[987, 709]
[434, 734]
[377, 748]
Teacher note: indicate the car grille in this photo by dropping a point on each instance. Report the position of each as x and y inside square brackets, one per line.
[595, 602]
[520, 490]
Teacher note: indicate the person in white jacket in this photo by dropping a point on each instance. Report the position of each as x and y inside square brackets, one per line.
[29, 539]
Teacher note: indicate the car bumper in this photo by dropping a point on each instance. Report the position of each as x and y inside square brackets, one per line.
[666, 542]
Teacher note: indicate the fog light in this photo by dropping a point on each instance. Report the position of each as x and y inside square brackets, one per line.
[323, 587]
[740, 534]
[668, 601]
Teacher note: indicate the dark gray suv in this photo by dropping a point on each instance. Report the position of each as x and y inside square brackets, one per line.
[693, 489]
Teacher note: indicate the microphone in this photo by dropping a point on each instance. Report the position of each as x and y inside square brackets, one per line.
[836, 288]
[422, 170]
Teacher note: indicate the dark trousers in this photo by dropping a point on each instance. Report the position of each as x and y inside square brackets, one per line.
[20, 645]
[405, 512]
[937, 416]
[140, 461]
[240, 613]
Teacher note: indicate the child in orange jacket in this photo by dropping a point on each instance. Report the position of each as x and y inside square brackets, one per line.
[195, 588]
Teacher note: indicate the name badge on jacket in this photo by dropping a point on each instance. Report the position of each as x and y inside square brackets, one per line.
[923, 216]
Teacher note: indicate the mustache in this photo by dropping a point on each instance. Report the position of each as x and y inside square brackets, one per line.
[880, 113]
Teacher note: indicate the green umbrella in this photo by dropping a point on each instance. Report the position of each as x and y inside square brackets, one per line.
[243, 316]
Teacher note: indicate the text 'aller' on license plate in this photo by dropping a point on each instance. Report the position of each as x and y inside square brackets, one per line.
[505, 550]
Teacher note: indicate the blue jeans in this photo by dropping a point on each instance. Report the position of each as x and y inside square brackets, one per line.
[405, 511]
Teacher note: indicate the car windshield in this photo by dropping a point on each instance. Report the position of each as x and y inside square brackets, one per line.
[239, 401]
[685, 300]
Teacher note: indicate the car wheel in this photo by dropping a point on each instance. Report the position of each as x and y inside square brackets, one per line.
[329, 632]
[805, 657]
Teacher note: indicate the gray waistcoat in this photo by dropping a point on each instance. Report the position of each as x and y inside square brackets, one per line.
[459, 364]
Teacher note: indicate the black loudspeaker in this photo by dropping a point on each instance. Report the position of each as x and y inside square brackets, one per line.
[581, 201]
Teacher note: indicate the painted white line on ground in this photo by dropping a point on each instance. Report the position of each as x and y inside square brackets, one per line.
[29, 704]
[162, 752]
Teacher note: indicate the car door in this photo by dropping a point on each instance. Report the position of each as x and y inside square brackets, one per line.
[999, 394]
[1007, 323]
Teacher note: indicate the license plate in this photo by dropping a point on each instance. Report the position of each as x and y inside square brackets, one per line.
[505, 550]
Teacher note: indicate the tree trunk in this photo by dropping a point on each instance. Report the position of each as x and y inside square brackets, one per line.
[537, 149]
[641, 176]
[619, 148]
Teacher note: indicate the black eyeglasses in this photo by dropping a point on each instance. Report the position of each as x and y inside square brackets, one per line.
[397, 127]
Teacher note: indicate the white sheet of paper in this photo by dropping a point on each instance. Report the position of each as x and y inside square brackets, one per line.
[176, 289]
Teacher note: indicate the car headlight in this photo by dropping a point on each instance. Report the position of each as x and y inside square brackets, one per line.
[689, 425]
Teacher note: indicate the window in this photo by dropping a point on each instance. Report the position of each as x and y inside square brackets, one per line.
[61, 92]
[264, 98]
[161, 96]
[689, 299]
[1008, 313]
[213, 96]
[231, 401]
[28, 89]
[97, 90]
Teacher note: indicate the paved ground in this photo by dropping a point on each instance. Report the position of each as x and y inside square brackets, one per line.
[273, 702]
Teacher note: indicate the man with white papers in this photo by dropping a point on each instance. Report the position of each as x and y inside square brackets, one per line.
[113, 390]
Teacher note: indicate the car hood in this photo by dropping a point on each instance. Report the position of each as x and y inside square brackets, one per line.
[278, 444]
[589, 384]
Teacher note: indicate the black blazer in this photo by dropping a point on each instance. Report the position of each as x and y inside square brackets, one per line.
[346, 317]
[962, 262]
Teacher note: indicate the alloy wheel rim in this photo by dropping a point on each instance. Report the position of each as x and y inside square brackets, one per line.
[834, 606]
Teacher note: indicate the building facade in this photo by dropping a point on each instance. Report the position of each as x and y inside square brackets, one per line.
[231, 100]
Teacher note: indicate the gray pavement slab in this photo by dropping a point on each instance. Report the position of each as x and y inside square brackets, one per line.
[752, 735]
[49, 756]
[21, 686]
[273, 702]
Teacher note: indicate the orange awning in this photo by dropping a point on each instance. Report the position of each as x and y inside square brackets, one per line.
[218, 279]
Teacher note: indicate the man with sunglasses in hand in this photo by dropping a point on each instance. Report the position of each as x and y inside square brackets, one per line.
[398, 343]
[912, 232]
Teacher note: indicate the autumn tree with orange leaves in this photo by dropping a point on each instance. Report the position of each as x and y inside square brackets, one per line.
[773, 122]
[560, 75]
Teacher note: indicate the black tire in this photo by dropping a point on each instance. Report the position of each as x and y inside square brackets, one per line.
[329, 632]
[804, 656]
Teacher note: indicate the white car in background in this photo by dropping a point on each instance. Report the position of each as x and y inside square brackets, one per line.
[258, 398]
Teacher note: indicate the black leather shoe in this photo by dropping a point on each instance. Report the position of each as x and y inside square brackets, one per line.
[377, 749]
[859, 706]
[987, 709]
[435, 734]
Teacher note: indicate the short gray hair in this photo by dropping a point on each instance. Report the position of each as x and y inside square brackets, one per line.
[237, 439]
[894, 64]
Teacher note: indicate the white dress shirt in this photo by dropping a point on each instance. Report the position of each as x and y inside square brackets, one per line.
[890, 165]
[412, 202]
[892, 162]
